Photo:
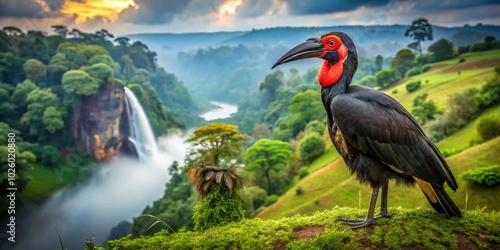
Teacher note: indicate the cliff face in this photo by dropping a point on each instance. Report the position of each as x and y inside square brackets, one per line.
[100, 123]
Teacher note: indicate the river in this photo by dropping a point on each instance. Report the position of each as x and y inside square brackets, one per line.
[118, 191]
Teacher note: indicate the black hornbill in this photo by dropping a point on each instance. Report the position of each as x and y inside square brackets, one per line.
[377, 138]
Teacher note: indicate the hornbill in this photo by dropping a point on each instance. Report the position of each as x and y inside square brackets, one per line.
[377, 138]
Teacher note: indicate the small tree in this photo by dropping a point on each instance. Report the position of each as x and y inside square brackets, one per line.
[385, 78]
[488, 127]
[100, 71]
[420, 30]
[311, 147]
[423, 110]
[212, 142]
[266, 156]
[79, 82]
[402, 62]
[379, 60]
[35, 70]
[218, 189]
[441, 50]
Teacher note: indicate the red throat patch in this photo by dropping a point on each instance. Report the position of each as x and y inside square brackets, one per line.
[330, 74]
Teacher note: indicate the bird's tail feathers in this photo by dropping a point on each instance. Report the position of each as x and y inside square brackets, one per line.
[438, 198]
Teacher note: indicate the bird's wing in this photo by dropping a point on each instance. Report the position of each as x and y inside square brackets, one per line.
[381, 128]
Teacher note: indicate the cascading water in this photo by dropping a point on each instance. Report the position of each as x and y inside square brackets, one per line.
[118, 190]
[141, 134]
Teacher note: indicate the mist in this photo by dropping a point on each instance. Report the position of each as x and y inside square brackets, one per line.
[118, 190]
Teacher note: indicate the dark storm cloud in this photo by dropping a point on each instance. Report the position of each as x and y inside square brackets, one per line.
[29, 8]
[253, 8]
[438, 6]
[300, 7]
[153, 11]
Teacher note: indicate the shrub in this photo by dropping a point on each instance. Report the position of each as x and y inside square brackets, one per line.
[311, 147]
[218, 208]
[478, 47]
[461, 60]
[463, 49]
[315, 126]
[299, 190]
[368, 81]
[488, 127]
[395, 91]
[489, 175]
[385, 78]
[412, 86]
[303, 172]
[270, 200]
[413, 71]
[426, 67]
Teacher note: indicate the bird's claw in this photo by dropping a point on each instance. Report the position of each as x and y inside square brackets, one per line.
[384, 215]
[357, 223]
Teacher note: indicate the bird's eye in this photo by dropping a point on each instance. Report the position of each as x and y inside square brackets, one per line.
[331, 42]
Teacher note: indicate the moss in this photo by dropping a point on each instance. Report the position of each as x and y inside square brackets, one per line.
[408, 229]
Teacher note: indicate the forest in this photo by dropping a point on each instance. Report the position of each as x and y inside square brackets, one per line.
[45, 79]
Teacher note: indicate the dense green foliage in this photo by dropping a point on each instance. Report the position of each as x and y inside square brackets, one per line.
[441, 50]
[409, 228]
[489, 176]
[402, 62]
[424, 110]
[213, 143]
[267, 156]
[218, 189]
[466, 106]
[385, 78]
[412, 86]
[43, 80]
[218, 208]
[311, 147]
[488, 127]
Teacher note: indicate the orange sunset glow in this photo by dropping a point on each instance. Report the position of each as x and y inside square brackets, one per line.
[92, 8]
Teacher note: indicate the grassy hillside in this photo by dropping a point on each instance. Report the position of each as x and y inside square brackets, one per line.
[408, 229]
[333, 185]
[443, 79]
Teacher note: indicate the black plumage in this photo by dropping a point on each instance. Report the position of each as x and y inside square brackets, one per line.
[376, 136]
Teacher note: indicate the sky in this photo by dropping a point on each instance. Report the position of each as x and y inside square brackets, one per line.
[123, 17]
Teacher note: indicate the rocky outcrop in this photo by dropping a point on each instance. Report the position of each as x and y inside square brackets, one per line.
[100, 123]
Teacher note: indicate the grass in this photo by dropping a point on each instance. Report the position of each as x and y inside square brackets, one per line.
[408, 229]
[468, 135]
[443, 81]
[46, 180]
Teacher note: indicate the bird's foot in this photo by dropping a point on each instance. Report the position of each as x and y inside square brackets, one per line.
[357, 223]
[384, 215]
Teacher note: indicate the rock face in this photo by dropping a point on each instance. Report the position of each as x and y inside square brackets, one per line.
[101, 125]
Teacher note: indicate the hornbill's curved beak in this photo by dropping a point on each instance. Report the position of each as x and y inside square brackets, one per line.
[312, 47]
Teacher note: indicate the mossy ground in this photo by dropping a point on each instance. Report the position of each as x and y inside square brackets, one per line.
[408, 229]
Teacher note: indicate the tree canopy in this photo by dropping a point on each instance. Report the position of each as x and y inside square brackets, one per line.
[266, 156]
[211, 143]
[420, 30]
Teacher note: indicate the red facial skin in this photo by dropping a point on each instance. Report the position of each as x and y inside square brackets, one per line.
[330, 73]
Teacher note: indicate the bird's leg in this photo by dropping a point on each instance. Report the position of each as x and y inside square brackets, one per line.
[383, 203]
[359, 223]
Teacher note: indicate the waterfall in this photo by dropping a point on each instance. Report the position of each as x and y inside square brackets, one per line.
[141, 134]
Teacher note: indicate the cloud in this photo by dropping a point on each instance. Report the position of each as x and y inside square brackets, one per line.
[253, 8]
[30, 8]
[300, 7]
[153, 11]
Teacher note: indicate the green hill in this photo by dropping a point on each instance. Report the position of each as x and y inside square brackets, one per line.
[333, 185]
